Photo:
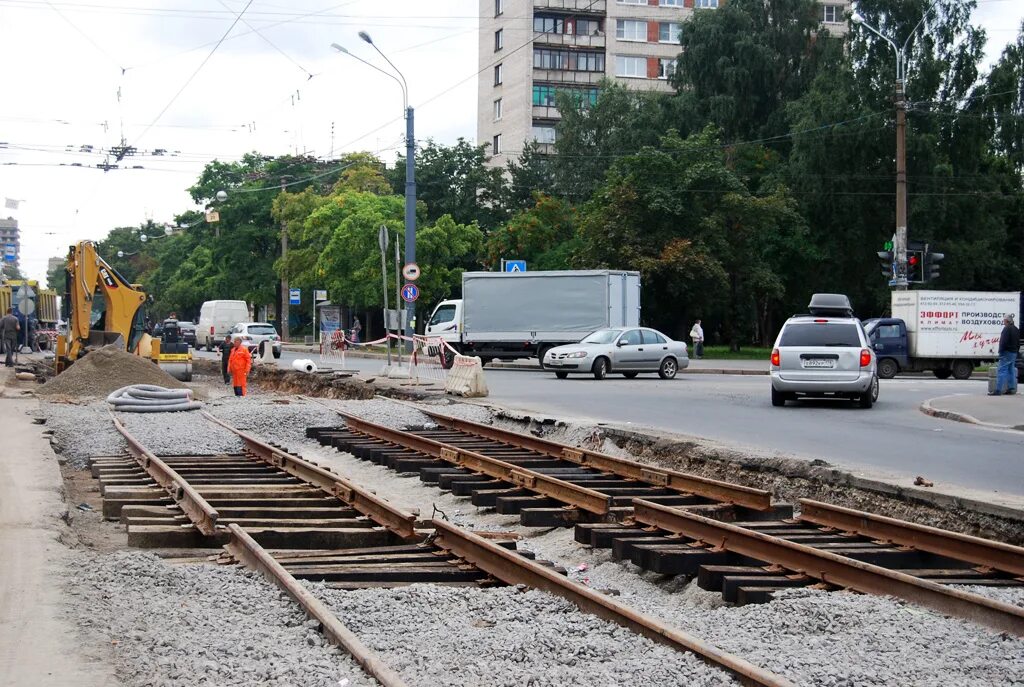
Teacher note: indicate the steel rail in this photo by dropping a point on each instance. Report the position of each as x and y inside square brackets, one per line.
[567, 492]
[512, 568]
[982, 552]
[831, 568]
[757, 499]
[377, 509]
[250, 554]
[198, 509]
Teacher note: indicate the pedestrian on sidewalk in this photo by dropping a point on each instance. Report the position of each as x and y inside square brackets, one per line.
[239, 365]
[9, 328]
[697, 335]
[225, 354]
[357, 329]
[1009, 344]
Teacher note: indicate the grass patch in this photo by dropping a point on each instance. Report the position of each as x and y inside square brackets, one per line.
[723, 353]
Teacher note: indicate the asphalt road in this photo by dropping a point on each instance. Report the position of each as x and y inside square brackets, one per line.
[893, 439]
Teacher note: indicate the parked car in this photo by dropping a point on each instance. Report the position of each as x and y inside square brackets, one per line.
[216, 319]
[255, 333]
[622, 350]
[188, 333]
[825, 354]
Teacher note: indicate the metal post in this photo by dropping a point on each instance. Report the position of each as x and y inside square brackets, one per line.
[398, 300]
[382, 241]
[410, 211]
[901, 188]
[284, 275]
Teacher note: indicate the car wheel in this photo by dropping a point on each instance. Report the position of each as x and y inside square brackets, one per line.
[962, 369]
[630, 375]
[669, 368]
[868, 398]
[874, 390]
[778, 398]
[277, 352]
[600, 368]
[561, 375]
[887, 368]
[447, 359]
[541, 352]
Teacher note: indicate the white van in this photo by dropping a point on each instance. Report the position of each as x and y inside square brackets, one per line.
[216, 318]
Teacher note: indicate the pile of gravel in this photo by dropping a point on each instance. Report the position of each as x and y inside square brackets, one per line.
[185, 625]
[278, 419]
[504, 637]
[105, 370]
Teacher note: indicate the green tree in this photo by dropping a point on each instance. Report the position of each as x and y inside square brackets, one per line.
[545, 236]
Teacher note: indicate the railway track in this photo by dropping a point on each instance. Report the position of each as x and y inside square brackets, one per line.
[318, 526]
[730, 538]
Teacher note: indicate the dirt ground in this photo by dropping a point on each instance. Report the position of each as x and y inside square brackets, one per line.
[39, 645]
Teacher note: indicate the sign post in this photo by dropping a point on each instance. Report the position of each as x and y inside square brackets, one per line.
[382, 241]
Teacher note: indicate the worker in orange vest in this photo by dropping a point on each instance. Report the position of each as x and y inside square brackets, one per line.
[239, 365]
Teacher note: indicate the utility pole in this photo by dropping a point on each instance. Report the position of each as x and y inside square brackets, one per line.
[901, 187]
[410, 213]
[284, 272]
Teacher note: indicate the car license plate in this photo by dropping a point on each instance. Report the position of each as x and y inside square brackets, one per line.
[819, 363]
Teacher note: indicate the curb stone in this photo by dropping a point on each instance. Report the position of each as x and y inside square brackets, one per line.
[928, 409]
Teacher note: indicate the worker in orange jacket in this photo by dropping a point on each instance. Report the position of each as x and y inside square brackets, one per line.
[239, 365]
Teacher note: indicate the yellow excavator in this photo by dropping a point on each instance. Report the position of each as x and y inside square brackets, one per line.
[101, 308]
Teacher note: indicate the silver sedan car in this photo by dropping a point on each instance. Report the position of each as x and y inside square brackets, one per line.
[624, 350]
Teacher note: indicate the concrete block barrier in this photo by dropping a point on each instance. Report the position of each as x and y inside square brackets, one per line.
[466, 378]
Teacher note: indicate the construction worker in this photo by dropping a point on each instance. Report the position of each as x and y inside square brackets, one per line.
[225, 354]
[239, 365]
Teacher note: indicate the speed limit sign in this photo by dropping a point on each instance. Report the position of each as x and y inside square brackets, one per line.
[411, 272]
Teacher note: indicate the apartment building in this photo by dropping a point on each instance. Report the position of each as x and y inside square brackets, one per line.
[10, 241]
[531, 49]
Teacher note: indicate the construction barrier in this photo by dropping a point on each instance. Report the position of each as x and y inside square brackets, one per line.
[466, 377]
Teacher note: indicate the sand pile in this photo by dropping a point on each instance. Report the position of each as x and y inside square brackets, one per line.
[105, 370]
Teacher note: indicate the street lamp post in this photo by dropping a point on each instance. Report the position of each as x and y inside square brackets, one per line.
[900, 247]
[410, 167]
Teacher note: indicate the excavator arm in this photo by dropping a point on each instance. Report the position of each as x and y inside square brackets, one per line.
[101, 306]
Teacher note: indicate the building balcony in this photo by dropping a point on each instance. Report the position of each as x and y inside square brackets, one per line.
[578, 6]
[569, 40]
[567, 77]
[545, 112]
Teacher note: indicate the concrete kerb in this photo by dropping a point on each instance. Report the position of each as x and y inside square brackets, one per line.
[928, 409]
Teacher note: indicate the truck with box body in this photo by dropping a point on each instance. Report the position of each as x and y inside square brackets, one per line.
[43, 307]
[947, 332]
[521, 315]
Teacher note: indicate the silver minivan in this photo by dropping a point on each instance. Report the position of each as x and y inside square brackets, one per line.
[824, 354]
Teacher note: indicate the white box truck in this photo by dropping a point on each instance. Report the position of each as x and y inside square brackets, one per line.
[522, 314]
[947, 332]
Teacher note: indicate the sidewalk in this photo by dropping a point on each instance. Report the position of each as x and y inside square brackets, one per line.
[1002, 412]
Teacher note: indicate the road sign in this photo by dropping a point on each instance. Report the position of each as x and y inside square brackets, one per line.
[515, 265]
[382, 238]
[410, 292]
[320, 294]
[411, 272]
[294, 296]
[23, 299]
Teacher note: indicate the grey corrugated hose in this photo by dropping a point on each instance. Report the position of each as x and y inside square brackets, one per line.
[148, 398]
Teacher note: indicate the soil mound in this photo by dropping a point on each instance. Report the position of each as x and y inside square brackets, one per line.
[104, 370]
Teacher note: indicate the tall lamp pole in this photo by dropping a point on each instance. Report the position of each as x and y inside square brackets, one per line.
[410, 166]
[900, 246]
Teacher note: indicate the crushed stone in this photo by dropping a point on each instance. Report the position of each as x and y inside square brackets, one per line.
[504, 637]
[105, 370]
[81, 431]
[185, 625]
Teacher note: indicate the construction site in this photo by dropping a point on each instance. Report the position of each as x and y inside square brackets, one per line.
[367, 532]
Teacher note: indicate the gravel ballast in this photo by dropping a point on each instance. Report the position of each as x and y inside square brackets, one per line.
[466, 637]
[185, 625]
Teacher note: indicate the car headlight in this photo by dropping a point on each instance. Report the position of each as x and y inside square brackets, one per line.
[576, 354]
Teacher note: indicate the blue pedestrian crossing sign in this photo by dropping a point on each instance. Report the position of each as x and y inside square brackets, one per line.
[515, 265]
[410, 292]
[294, 296]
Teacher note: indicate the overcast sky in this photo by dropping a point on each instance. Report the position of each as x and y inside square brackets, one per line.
[87, 72]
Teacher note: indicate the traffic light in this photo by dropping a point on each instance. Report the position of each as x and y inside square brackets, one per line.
[931, 264]
[887, 261]
[915, 266]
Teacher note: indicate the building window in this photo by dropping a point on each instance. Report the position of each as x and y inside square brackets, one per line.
[576, 61]
[670, 3]
[548, 24]
[588, 27]
[499, 7]
[631, 67]
[669, 32]
[496, 144]
[544, 95]
[831, 14]
[497, 109]
[498, 74]
[544, 134]
[630, 30]
[707, 4]
[499, 39]
[666, 68]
